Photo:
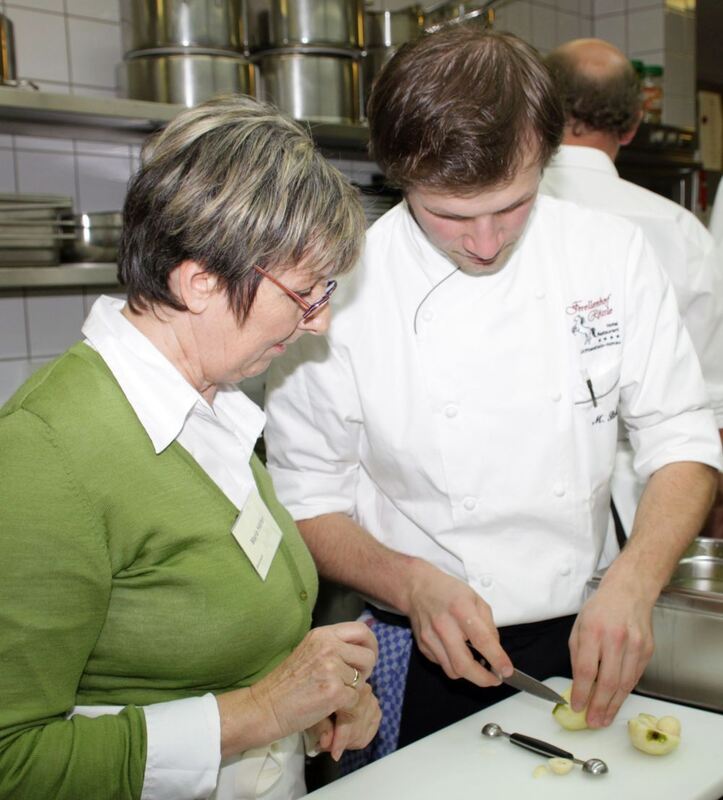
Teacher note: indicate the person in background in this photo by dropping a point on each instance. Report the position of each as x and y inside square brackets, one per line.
[157, 598]
[600, 93]
[716, 217]
[447, 450]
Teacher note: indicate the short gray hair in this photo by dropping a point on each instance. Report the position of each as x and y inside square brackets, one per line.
[233, 184]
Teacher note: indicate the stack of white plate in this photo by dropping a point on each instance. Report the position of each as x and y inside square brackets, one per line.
[31, 231]
[184, 51]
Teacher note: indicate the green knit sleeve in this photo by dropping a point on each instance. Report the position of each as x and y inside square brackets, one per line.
[55, 588]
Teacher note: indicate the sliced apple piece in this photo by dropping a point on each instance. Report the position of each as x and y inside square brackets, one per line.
[560, 766]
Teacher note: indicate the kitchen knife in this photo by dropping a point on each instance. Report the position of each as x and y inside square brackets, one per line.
[526, 683]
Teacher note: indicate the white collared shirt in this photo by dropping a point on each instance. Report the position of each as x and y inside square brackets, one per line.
[184, 736]
[451, 414]
[686, 251]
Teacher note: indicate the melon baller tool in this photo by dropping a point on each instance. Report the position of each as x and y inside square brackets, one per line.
[593, 765]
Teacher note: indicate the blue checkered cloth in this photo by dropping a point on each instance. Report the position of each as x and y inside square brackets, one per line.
[387, 681]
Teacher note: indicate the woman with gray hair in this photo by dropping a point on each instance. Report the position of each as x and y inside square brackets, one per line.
[154, 631]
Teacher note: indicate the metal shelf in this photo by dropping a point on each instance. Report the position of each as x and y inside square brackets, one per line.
[109, 119]
[31, 113]
[101, 274]
[27, 112]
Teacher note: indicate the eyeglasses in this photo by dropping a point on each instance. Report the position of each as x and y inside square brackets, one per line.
[310, 309]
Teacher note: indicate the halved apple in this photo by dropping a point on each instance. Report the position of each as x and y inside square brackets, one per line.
[647, 735]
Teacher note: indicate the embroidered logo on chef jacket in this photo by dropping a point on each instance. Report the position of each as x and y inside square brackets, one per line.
[594, 324]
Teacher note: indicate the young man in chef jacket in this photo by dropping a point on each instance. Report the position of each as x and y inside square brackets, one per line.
[600, 93]
[454, 465]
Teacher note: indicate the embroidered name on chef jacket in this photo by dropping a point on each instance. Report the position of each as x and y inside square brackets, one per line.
[257, 533]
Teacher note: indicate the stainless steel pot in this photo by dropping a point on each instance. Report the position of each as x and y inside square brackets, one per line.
[321, 86]
[284, 23]
[94, 236]
[7, 50]
[188, 78]
[183, 23]
[385, 32]
[392, 28]
[458, 12]
[688, 630]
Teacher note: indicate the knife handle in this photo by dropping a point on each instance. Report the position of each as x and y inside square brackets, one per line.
[538, 746]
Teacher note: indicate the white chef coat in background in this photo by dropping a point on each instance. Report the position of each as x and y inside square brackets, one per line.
[716, 217]
[687, 253]
[456, 424]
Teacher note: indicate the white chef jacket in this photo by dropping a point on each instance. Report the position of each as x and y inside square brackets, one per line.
[716, 216]
[686, 251]
[183, 761]
[449, 414]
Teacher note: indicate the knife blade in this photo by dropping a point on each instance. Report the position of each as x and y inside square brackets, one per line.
[526, 683]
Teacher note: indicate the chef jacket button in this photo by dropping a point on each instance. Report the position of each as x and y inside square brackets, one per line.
[559, 490]
[469, 503]
[540, 294]
[451, 411]
[565, 570]
[303, 595]
[556, 397]
[428, 315]
[486, 581]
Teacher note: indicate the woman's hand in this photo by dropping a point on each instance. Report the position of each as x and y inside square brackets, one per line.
[352, 729]
[313, 683]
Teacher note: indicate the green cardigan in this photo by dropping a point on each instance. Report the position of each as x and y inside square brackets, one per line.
[121, 584]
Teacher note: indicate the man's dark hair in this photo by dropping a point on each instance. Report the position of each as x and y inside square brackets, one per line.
[462, 109]
[606, 102]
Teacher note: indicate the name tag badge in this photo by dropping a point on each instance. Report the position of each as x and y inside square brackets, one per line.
[257, 533]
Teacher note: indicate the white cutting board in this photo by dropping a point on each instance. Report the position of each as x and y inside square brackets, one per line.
[458, 762]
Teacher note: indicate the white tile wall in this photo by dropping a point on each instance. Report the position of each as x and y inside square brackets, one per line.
[635, 4]
[544, 28]
[13, 339]
[95, 50]
[41, 172]
[73, 46]
[66, 45]
[36, 326]
[646, 30]
[612, 28]
[601, 7]
[54, 321]
[515, 17]
[40, 44]
[108, 10]
[569, 26]
[7, 171]
[15, 372]
[43, 5]
[102, 182]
